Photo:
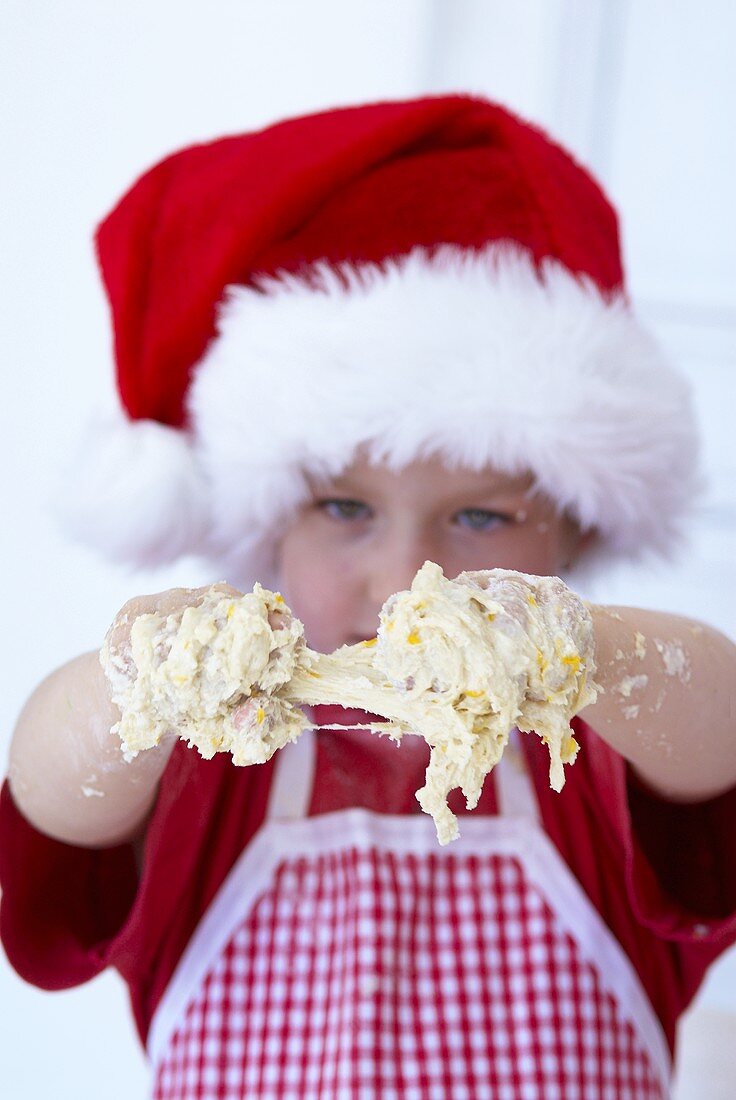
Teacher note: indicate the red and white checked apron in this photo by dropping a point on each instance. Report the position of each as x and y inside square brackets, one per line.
[347, 955]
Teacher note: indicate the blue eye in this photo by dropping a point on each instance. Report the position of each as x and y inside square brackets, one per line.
[482, 520]
[344, 509]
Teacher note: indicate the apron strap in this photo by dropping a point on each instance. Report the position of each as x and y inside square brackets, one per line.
[515, 792]
[293, 778]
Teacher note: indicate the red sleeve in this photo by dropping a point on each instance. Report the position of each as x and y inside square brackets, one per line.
[662, 875]
[62, 906]
[680, 862]
[67, 912]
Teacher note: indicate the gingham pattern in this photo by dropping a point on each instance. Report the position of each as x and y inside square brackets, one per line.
[366, 973]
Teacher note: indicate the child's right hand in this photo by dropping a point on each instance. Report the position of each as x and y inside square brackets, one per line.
[67, 773]
[172, 601]
[116, 655]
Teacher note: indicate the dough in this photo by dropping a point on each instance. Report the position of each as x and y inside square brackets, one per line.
[459, 662]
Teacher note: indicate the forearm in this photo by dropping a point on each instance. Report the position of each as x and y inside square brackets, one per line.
[668, 699]
[66, 770]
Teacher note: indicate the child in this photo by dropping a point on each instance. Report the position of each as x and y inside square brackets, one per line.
[347, 344]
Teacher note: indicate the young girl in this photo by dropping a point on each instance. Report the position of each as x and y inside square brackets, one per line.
[348, 344]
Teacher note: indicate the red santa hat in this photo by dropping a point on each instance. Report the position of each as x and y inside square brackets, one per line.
[433, 276]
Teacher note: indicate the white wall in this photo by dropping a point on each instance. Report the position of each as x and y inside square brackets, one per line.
[95, 91]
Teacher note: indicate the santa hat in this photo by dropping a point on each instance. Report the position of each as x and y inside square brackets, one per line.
[433, 276]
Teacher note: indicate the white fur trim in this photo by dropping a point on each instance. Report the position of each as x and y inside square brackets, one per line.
[134, 491]
[470, 356]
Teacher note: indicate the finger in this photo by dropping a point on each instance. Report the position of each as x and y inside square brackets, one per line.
[227, 589]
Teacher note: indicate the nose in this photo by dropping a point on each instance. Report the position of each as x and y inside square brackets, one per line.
[393, 567]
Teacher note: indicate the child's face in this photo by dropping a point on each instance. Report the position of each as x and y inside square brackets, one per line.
[364, 534]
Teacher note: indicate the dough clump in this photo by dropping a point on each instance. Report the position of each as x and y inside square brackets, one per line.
[460, 662]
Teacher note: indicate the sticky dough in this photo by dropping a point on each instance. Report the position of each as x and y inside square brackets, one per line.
[459, 662]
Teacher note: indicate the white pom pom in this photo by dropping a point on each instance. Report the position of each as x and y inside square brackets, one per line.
[134, 492]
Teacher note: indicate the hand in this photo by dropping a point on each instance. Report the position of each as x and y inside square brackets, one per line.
[173, 601]
[546, 611]
[116, 655]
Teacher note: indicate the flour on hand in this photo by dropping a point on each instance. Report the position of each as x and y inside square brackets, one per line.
[459, 662]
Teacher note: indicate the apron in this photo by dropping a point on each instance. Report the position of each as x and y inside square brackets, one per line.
[347, 955]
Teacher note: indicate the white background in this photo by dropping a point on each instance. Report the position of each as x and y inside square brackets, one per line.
[95, 91]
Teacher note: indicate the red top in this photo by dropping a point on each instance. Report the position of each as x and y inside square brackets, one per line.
[663, 876]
